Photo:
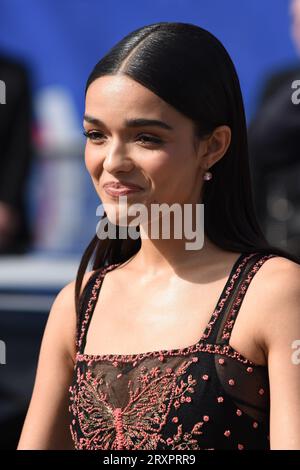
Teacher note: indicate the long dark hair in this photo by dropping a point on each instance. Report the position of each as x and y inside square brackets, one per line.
[191, 70]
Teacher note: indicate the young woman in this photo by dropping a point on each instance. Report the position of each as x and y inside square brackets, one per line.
[184, 348]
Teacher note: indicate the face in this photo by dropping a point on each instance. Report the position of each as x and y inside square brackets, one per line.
[159, 157]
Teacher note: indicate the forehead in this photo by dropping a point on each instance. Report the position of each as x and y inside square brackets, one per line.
[115, 93]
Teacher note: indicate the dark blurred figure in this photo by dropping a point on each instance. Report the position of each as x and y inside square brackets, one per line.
[15, 157]
[274, 152]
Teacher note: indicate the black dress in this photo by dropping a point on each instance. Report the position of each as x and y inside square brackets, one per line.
[205, 396]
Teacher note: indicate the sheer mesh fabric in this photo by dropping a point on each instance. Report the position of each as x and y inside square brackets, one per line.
[205, 396]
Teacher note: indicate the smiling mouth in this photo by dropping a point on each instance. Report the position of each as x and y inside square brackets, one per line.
[116, 192]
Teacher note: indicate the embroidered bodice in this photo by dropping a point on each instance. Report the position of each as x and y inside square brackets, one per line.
[204, 396]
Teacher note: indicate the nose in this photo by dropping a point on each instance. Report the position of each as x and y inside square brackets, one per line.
[116, 158]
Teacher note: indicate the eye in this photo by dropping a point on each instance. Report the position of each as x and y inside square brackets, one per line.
[94, 136]
[149, 139]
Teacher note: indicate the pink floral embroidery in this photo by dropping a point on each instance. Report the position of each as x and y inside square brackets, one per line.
[138, 425]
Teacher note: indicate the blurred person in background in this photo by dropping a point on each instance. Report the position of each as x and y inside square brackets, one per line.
[15, 156]
[274, 151]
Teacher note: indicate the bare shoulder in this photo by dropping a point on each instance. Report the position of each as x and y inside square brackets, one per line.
[65, 298]
[62, 316]
[284, 265]
[278, 299]
[69, 288]
[279, 277]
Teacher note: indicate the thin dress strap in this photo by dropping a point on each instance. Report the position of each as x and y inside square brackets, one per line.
[244, 274]
[88, 302]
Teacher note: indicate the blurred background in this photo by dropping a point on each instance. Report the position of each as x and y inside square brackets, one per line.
[47, 202]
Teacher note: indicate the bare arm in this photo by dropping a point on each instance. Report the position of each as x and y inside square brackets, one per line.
[281, 333]
[47, 421]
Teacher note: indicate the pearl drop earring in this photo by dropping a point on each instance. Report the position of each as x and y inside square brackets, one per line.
[207, 176]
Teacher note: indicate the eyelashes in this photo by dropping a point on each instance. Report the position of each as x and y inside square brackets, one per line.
[91, 135]
[96, 136]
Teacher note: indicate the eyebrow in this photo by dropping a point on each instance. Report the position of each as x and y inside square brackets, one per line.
[138, 122]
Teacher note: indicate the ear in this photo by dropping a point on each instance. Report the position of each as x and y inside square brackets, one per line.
[216, 146]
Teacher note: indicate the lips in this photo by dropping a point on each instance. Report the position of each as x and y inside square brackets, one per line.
[119, 189]
[121, 185]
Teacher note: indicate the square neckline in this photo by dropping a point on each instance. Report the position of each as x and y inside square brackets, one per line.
[161, 352]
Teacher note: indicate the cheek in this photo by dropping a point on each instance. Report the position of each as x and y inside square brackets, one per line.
[170, 169]
[92, 161]
[175, 174]
[161, 165]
